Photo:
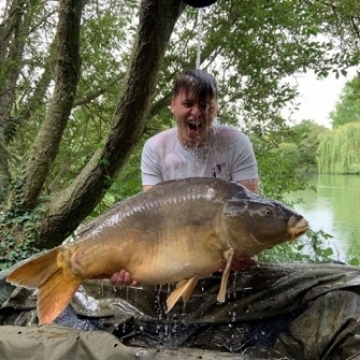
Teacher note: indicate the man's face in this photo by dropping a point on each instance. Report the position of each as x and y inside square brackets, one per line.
[193, 118]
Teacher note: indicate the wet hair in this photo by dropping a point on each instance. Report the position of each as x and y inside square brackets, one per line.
[200, 83]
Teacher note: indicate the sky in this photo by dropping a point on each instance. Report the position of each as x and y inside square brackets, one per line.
[317, 98]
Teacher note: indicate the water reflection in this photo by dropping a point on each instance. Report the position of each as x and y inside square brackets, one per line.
[334, 209]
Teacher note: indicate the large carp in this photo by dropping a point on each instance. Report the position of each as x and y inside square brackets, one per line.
[177, 232]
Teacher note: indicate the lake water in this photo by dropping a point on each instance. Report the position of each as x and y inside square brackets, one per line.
[334, 208]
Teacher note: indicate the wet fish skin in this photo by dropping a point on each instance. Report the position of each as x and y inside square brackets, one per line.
[177, 231]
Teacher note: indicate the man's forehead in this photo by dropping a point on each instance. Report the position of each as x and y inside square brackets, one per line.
[192, 95]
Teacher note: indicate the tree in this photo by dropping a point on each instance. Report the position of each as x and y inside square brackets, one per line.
[306, 136]
[338, 151]
[81, 85]
[347, 108]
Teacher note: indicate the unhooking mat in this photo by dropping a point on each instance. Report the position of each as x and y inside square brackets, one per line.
[294, 311]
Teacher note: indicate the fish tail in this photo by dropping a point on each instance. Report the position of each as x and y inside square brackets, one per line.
[55, 294]
[35, 272]
[56, 285]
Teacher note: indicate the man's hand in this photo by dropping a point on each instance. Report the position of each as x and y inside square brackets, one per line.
[243, 262]
[122, 278]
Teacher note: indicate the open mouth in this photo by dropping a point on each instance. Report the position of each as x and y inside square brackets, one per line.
[195, 125]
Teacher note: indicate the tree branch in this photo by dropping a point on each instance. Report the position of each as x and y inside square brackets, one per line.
[95, 94]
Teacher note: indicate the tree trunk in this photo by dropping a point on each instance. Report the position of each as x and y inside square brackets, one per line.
[46, 145]
[12, 38]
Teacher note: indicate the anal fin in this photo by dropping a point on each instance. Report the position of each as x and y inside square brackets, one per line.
[184, 289]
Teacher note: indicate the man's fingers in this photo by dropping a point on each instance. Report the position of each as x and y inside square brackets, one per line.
[244, 263]
[121, 278]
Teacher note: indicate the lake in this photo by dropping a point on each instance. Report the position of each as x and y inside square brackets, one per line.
[334, 208]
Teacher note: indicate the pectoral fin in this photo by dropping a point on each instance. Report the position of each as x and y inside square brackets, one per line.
[184, 289]
[228, 255]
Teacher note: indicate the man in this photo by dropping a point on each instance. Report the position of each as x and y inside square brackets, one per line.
[197, 146]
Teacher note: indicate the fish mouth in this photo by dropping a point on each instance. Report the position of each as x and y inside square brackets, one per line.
[297, 227]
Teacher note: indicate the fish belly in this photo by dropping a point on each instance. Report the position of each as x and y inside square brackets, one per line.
[180, 255]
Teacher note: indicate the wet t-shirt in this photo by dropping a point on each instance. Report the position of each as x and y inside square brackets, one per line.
[227, 154]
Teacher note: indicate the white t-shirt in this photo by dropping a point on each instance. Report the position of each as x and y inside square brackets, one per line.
[227, 154]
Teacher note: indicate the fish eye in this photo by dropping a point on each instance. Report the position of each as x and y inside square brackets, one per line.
[267, 211]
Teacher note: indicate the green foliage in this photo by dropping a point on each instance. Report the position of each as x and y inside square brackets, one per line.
[18, 229]
[339, 149]
[305, 135]
[309, 248]
[128, 183]
[277, 167]
[105, 53]
[252, 48]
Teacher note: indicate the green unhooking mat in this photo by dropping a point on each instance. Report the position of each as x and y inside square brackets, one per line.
[294, 311]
